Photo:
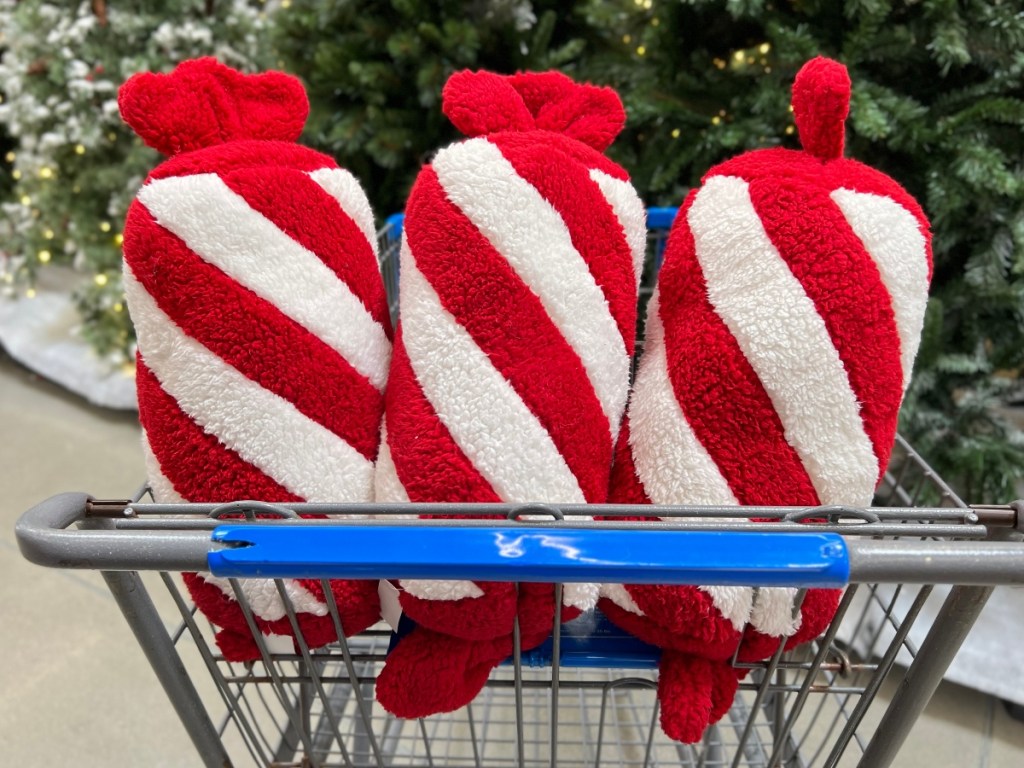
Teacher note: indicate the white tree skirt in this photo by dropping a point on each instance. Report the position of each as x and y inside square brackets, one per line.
[40, 333]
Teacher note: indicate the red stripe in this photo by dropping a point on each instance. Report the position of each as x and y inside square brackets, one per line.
[303, 210]
[588, 156]
[508, 322]
[252, 335]
[718, 391]
[626, 487]
[236, 155]
[199, 467]
[428, 461]
[841, 279]
[593, 226]
[804, 170]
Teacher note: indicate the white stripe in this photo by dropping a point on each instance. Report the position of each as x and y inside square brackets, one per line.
[630, 212]
[264, 599]
[670, 461]
[581, 595]
[485, 415]
[387, 485]
[440, 590]
[893, 238]
[343, 187]
[534, 239]
[223, 230]
[264, 429]
[163, 489]
[773, 612]
[734, 603]
[785, 340]
[619, 595]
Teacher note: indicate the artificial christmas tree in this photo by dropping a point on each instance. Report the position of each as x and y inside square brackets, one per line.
[75, 165]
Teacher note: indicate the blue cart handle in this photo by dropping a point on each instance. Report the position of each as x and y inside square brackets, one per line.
[521, 553]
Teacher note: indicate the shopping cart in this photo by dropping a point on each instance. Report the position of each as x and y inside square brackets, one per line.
[587, 697]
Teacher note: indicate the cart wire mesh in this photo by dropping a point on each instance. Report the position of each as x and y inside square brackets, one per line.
[817, 705]
[814, 706]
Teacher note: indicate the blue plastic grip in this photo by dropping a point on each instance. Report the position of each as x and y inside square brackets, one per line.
[393, 224]
[661, 218]
[521, 553]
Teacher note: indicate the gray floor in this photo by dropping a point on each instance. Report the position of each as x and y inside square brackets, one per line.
[76, 688]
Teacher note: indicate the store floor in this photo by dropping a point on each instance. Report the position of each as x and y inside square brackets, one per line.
[77, 690]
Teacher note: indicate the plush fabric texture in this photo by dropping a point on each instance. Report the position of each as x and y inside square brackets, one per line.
[250, 270]
[520, 262]
[203, 103]
[780, 340]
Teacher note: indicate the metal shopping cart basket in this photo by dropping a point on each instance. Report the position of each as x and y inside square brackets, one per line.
[587, 697]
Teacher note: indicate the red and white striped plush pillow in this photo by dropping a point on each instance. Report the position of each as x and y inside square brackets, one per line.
[250, 268]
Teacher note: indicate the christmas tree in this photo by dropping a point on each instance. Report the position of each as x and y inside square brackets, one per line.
[938, 104]
[374, 71]
[72, 165]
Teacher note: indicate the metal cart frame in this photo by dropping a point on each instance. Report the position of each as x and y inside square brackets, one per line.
[306, 706]
[971, 548]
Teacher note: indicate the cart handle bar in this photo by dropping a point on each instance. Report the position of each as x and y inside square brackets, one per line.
[514, 552]
[510, 552]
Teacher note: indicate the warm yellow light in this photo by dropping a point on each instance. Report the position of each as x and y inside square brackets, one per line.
[648, 4]
[738, 56]
[764, 47]
[44, 257]
[286, 3]
[100, 279]
[79, 149]
[716, 120]
[26, 200]
[9, 157]
[30, 293]
[48, 234]
[790, 130]
[675, 133]
[627, 39]
[46, 172]
[119, 307]
[112, 136]
[128, 369]
[655, 21]
[640, 50]
[16, 174]
[118, 239]
[104, 226]
[719, 63]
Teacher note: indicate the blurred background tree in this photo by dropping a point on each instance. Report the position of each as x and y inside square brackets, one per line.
[938, 104]
[73, 166]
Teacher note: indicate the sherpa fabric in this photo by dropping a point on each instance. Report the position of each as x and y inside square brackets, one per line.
[780, 340]
[251, 276]
[520, 261]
